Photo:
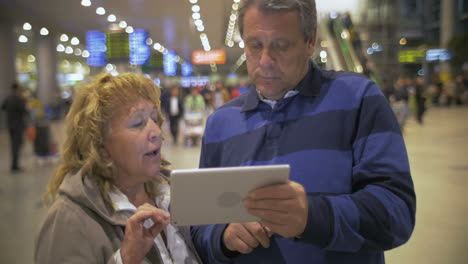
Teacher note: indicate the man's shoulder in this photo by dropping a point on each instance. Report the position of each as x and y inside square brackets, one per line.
[332, 75]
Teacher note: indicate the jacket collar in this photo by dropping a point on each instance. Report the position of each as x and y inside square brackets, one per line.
[308, 86]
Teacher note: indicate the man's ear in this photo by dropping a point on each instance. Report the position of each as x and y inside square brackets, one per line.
[311, 45]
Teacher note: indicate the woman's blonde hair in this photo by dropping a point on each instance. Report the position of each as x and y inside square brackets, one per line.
[88, 123]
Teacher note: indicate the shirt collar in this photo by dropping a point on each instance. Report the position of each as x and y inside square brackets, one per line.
[308, 86]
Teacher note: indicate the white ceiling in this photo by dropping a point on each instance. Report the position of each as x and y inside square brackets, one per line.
[168, 22]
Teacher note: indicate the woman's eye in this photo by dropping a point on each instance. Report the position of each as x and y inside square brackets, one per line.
[138, 124]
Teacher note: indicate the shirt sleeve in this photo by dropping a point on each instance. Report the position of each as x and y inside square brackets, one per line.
[379, 213]
[64, 238]
[207, 241]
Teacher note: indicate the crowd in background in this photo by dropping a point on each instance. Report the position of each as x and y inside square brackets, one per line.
[412, 96]
[186, 109]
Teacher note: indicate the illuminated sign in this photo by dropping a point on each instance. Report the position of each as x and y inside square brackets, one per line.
[96, 46]
[187, 69]
[194, 81]
[411, 56]
[117, 45]
[170, 63]
[438, 55]
[139, 50]
[207, 57]
[157, 60]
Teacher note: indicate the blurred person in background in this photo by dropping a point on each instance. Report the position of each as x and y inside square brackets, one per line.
[420, 98]
[350, 196]
[174, 109]
[194, 101]
[110, 197]
[15, 106]
[399, 101]
[220, 95]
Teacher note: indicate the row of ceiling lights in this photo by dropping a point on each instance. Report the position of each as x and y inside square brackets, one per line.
[198, 22]
[74, 41]
[231, 28]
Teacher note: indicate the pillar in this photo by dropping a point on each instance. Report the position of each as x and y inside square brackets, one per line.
[46, 53]
[7, 62]
[448, 14]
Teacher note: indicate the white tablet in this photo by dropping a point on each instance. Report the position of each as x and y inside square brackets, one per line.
[214, 195]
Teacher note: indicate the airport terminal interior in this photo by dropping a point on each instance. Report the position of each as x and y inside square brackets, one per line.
[51, 47]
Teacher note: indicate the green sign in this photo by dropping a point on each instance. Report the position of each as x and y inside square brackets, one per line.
[117, 46]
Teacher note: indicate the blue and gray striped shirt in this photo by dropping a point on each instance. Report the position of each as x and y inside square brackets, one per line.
[343, 144]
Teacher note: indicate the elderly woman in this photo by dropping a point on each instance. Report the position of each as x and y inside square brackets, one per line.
[110, 197]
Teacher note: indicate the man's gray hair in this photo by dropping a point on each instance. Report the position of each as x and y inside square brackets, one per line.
[306, 9]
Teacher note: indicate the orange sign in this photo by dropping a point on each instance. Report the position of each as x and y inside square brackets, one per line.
[207, 57]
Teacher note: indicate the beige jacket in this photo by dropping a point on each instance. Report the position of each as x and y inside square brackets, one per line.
[81, 228]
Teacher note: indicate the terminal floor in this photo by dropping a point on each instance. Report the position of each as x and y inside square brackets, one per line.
[438, 152]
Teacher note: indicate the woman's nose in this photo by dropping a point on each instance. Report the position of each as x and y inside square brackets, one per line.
[154, 131]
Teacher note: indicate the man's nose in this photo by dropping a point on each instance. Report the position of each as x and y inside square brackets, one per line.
[266, 57]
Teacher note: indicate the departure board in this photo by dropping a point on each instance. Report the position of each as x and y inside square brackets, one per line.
[186, 69]
[157, 60]
[96, 46]
[139, 50]
[170, 63]
[117, 45]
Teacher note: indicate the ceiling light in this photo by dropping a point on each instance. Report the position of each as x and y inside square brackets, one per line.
[75, 41]
[111, 18]
[78, 52]
[100, 11]
[60, 48]
[27, 26]
[85, 54]
[85, 2]
[149, 41]
[23, 39]
[196, 8]
[198, 22]
[31, 58]
[129, 29]
[193, 1]
[69, 50]
[64, 37]
[196, 16]
[123, 24]
[157, 46]
[44, 31]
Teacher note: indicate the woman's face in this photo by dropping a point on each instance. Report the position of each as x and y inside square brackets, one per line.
[134, 143]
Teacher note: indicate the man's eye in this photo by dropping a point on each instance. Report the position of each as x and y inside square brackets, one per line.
[255, 46]
[281, 46]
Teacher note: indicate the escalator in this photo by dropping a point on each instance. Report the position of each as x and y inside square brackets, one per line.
[344, 46]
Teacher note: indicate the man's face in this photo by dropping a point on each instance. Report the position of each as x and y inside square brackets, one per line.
[277, 55]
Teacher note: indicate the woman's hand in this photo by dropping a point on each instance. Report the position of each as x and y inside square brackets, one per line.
[138, 239]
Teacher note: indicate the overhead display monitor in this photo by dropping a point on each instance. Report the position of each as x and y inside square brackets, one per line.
[170, 63]
[411, 56]
[438, 55]
[117, 45]
[187, 69]
[200, 57]
[139, 50]
[96, 46]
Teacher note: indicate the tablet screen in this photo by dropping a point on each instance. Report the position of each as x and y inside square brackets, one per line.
[214, 195]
